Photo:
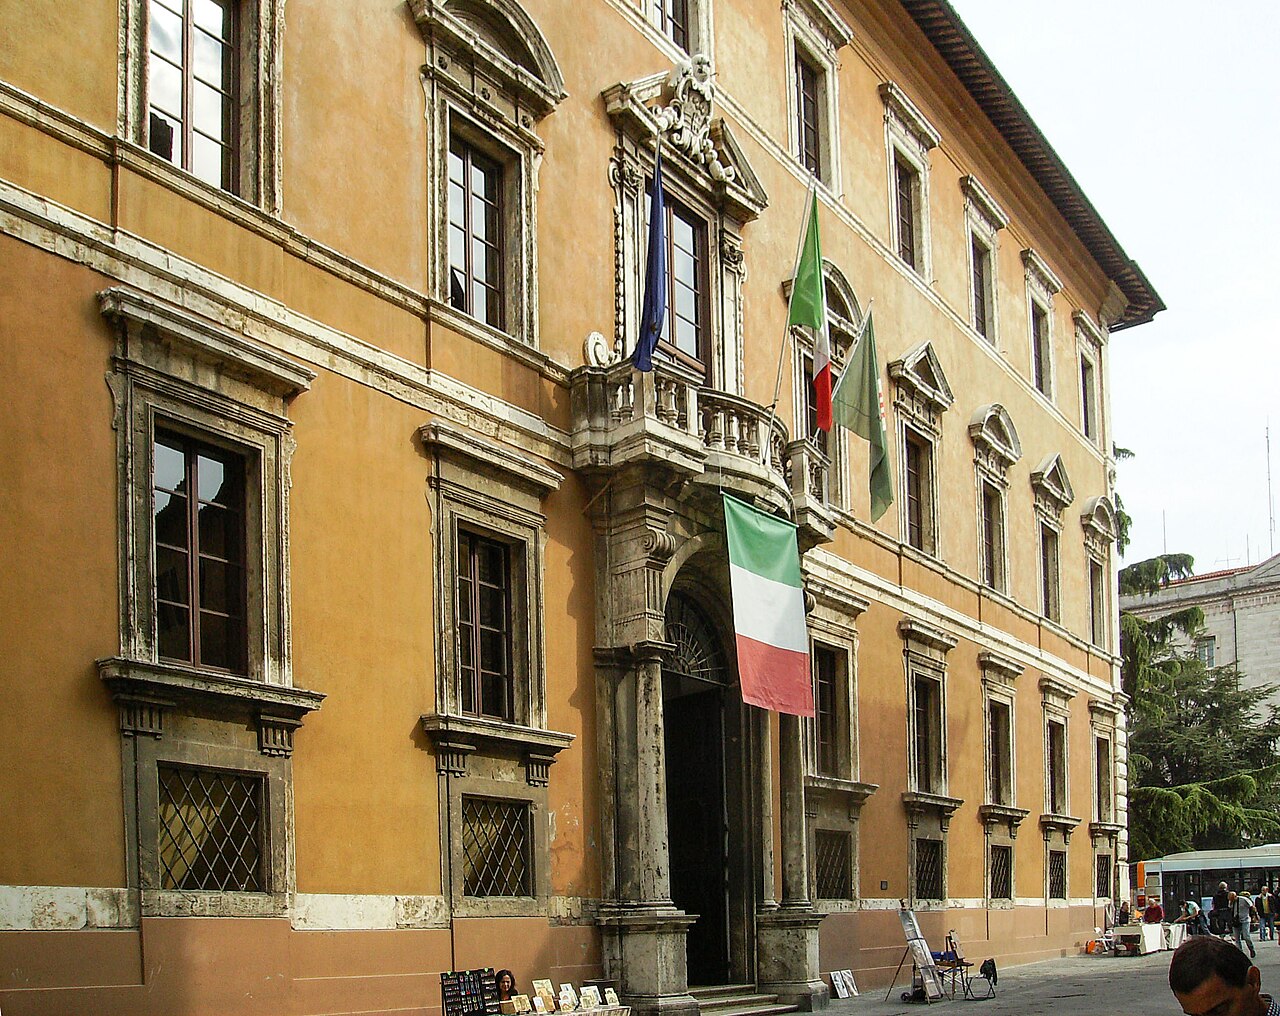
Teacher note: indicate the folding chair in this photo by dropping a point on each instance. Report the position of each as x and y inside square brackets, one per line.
[986, 972]
[955, 967]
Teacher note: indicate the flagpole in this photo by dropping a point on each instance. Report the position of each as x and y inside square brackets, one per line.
[786, 328]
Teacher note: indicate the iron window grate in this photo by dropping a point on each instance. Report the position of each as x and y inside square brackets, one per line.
[210, 830]
[1001, 872]
[1103, 880]
[929, 869]
[833, 870]
[495, 848]
[1057, 874]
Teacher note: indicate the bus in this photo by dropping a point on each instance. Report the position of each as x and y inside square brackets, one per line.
[1195, 874]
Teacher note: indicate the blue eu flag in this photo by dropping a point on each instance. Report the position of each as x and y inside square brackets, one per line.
[655, 276]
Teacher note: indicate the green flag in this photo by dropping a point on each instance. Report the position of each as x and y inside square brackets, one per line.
[857, 403]
[806, 305]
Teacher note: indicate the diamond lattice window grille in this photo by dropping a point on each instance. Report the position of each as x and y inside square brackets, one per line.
[1103, 879]
[495, 848]
[833, 874]
[929, 869]
[1057, 874]
[210, 830]
[1001, 872]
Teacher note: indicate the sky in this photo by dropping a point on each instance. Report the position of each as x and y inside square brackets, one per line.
[1167, 113]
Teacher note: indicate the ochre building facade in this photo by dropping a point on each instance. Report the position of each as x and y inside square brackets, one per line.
[366, 616]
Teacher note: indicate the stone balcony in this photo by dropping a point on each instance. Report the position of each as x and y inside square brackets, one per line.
[688, 438]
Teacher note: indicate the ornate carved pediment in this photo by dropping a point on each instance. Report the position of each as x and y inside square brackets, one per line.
[1086, 331]
[922, 392]
[981, 206]
[906, 120]
[679, 105]
[1039, 275]
[1052, 487]
[995, 439]
[1099, 522]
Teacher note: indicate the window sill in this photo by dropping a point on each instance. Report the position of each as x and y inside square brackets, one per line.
[854, 790]
[919, 802]
[147, 692]
[997, 814]
[204, 903]
[456, 737]
[1065, 824]
[1100, 830]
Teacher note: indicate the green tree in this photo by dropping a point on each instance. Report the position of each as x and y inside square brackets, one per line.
[1204, 770]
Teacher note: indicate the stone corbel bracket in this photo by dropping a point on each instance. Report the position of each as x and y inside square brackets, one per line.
[1066, 824]
[456, 738]
[1000, 814]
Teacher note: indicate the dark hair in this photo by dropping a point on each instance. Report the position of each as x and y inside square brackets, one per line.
[1199, 958]
[497, 979]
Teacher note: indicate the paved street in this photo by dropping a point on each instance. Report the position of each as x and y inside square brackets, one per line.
[1081, 985]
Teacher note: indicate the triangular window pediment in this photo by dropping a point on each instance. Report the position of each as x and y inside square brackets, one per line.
[995, 439]
[922, 391]
[1052, 487]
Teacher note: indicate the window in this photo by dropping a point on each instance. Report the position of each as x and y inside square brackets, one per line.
[192, 103]
[982, 287]
[1207, 650]
[833, 870]
[489, 79]
[992, 536]
[1056, 768]
[684, 323]
[1057, 874]
[1001, 872]
[672, 19]
[475, 234]
[999, 752]
[1102, 778]
[199, 546]
[1088, 400]
[1097, 605]
[1049, 574]
[919, 491]
[1102, 880]
[928, 735]
[909, 139]
[808, 123]
[210, 830]
[929, 869]
[1041, 353]
[496, 848]
[826, 707]
[484, 626]
[906, 200]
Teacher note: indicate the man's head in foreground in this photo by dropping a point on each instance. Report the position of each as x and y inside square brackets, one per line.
[1211, 977]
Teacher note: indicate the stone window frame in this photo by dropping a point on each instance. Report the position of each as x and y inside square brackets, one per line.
[1090, 341]
[700, 26]
[705, 170]
[174, 370]
[1056, 826]
[1105, 724]
[1052, 494]
[921, 394]
[929, 812]
[1206, 650]
[984, 220]
[996, 448]
[260, 83]
[1098, 520]
[815, 30]
[1042, 285]
[1000, 819]
[909, 138]
[490, 79]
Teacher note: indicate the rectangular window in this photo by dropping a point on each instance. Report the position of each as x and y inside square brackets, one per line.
[992, 536]
[808, 122]
[1088, 400]
[496, 841]
[928, 869]
[1000, 752]
[827, 709]
[1057, 874]
[192, 93]
[1049, 578]
[198, 506]
[684, 322]
[1040, 350]
[484, 627]
[210, 828]
[906, 199]
[919, 484]
[982, 289]
[1097, 605]
[673, 20]
[928, 734]
[1102, 778]
[833, 871]
[1056, 776]
[1001, 872]
[818, 436]
[1102, 882]
[475, 233]
[1207, 650]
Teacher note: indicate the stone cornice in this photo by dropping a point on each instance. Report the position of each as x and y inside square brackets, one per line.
[1039, 272]
[904, 112]
[489, 456]
[983, 204]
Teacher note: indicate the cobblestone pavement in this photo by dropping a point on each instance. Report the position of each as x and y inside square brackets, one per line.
[1078, 985]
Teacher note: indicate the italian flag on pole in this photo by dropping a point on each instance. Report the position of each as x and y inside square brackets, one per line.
[768, 610]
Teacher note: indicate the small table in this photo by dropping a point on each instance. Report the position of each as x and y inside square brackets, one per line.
[1139, 939]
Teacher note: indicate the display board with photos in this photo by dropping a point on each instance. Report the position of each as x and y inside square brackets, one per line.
[921, 954]
[843, 984]
[468, 992]
[590, 998]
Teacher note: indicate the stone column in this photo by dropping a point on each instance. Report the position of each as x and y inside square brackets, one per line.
[787, 938]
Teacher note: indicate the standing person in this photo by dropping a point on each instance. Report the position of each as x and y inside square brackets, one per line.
[1242, 914]
[1266, 907]
[1220, 915]
[1207, 976]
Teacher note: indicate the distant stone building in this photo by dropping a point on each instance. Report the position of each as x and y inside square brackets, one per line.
[1241, 617]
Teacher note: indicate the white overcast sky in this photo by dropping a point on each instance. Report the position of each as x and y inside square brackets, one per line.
[1167, 113]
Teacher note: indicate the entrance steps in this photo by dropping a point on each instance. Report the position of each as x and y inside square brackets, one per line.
[738, 1000]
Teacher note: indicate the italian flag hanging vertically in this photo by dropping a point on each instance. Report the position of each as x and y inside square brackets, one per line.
[768, 610]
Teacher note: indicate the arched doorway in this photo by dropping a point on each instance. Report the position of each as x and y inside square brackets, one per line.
[703, 737]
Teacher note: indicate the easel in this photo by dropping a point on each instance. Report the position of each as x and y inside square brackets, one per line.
[922, 959]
